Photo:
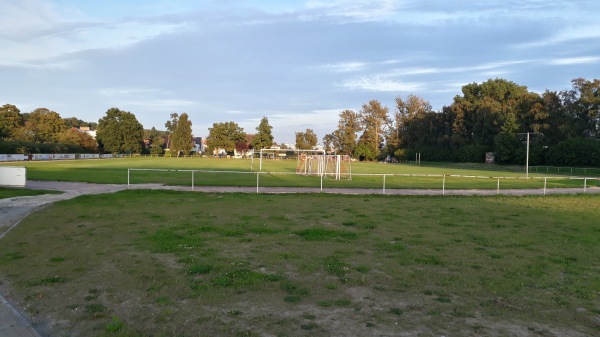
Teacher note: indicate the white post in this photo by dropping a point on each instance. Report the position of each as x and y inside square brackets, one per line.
[321, 182]
[444, 185]
[545, 181]
[192, 180]
[419, 158]
[498, 185]
[260, 161]
[257, 174]
[128, 178]
[584, 184]
[384, 184]
[527, 160]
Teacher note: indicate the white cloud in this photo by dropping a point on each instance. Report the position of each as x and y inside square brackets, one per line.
[382, 83]
[346, 66]
[575, 60]
[33, 32]
[362, 10]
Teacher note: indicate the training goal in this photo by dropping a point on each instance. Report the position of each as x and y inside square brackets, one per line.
[329, 166]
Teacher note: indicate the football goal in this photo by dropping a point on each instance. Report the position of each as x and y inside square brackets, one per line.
[329, 166]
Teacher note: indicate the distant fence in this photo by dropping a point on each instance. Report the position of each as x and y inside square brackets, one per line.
[382, 183]
[566, 170]
[54, 156]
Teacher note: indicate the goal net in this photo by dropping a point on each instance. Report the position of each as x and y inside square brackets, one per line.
[329, 166]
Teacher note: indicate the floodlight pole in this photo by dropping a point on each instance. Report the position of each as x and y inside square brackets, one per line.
[527, 155]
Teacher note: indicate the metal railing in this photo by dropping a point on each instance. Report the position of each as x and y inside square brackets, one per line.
[438, 183]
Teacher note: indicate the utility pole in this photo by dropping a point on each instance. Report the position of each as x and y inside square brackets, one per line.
[527, 154]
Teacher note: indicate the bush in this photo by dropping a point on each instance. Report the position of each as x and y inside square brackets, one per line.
[470, 154]
[21, 147]
[575, 152]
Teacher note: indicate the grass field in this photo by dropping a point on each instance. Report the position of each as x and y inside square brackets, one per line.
[365, 175]
[164, 263]
[21, 192]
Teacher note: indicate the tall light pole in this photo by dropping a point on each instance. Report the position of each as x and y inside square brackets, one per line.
[527, 155]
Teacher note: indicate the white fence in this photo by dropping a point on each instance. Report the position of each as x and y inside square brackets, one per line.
[384, 189]
[54, 156]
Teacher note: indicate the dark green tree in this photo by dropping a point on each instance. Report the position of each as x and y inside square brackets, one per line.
[182, 136]
[10, 121]
[224, 136]
[120, 132]
[45, 125]
[263, 138]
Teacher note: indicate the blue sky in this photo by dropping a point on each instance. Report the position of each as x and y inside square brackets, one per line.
[299, 63]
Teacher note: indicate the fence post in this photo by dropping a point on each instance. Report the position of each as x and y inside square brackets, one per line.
[384, 184]
[444, 185]
[321, 182]
[584, 184]
[545, 180]
[192, 180]
[128, 178]
[498, 188]
[257, 174]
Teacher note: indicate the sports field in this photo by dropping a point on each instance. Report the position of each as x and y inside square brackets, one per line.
[281, 173]
[166, 263]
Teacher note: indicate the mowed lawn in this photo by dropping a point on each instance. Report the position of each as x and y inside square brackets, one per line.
[164, 263]
[281, 173]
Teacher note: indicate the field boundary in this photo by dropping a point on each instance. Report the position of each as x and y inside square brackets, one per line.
[384, 176]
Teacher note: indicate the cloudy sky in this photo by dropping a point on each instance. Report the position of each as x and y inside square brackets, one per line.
[299, 63]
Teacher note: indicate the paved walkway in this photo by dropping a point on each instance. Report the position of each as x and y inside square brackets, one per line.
[12, 210]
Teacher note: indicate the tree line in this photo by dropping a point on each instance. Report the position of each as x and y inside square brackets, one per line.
[494, 116]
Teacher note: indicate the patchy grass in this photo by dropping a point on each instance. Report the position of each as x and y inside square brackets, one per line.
[22, 192]
[164, 263]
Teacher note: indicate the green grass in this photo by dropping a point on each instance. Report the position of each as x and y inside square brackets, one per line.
[22, 192]
[164, 263]
[282, 173]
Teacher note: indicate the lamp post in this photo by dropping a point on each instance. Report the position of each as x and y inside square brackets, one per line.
[527, 155]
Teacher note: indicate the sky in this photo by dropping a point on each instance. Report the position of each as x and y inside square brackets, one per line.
[298, 63]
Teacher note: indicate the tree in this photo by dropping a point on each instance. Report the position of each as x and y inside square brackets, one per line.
[263, 138]
[79, 138]
[120, 132]
[10, 121]
[157, 144]
[374, 118]
[181, 138]
[343, 139]
[171, 126]
[306, 140]
[582, 105]
[224, 136]
[45, 125]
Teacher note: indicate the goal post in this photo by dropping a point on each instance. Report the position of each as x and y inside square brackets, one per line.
[328, 166]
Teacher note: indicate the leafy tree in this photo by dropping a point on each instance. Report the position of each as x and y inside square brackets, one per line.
[582, 105]
[120, 132]
[181, 137]
[157, 145]
[306, 140]
[375, 119]
[344, 138]
[79, 138]
[10, 121]
[263, 138]
[224, 136]
[45, 125]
